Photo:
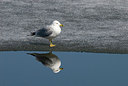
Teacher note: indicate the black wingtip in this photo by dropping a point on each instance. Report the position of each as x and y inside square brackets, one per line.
[32, 34]
[33, 54]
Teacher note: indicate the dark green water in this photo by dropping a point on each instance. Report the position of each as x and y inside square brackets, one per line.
[80, 69]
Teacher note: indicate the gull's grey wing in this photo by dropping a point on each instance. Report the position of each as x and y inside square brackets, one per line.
[44, 32]
[45, 60]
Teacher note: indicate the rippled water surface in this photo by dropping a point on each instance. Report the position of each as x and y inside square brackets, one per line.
[88, 69]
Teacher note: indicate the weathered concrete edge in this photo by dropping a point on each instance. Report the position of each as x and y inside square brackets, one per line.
[26, 46]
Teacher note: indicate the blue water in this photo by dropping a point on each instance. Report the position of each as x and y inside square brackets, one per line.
[80, 69]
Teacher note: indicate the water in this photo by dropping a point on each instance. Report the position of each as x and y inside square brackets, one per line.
[88, 69]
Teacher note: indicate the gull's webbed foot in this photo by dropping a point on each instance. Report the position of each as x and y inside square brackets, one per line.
[52, 45]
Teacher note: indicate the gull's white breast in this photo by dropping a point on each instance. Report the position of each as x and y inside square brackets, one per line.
[56, 31]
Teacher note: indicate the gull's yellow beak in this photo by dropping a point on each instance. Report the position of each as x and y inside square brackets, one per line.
[61, 25]
[61, 68]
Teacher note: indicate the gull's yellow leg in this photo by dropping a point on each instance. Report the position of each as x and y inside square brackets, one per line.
[51, 45]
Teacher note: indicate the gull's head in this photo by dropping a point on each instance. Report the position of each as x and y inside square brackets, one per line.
[57, 23]
[57, 70]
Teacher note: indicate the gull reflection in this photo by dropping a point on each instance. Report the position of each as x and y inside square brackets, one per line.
[49, 59]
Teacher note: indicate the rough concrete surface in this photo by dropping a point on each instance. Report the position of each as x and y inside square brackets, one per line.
[89, 25]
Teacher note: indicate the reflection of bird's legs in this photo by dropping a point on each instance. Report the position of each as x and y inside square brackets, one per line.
[51, 45]
[50, 50]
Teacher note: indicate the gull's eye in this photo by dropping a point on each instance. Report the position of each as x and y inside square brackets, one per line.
[56, 23]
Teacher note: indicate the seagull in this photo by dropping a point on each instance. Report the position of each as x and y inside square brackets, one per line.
[49, 32]
[49, 60]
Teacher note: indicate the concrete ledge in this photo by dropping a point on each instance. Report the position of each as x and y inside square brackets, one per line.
[87, 27]
[41, 45]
